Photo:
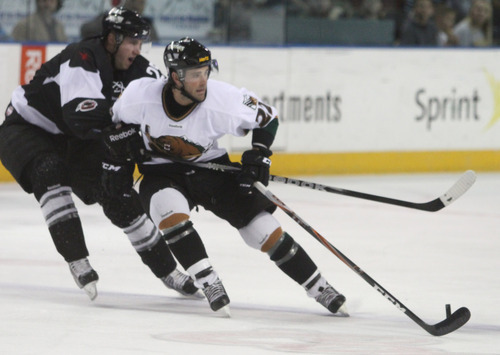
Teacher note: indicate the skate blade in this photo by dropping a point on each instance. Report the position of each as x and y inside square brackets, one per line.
[91, 290]
[225, 311]
[342, 312]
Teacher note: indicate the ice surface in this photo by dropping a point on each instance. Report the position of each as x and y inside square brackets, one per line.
[426, 260]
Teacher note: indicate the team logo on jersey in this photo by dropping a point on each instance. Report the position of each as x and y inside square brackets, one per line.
[84, 56]
[250, 101]
[118, 87]
[175, 147]
[86, 106]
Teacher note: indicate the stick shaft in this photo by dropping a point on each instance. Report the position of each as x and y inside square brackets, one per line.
[450, 324]
[457, 190]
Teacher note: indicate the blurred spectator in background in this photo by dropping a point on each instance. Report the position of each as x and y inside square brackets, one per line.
[232, 20]
[409, 5]
[221, 17]
[340, 9]
[3, 35]
[42, 26]
[476, 29]
[240, 12]
[329, 9]
[371, 9]
[461, 7]
[445, 21]
[420, 28]
[93, 28]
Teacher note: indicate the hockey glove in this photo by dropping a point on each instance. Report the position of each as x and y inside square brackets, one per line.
[124, 143]
[255, 167]
[117, 179]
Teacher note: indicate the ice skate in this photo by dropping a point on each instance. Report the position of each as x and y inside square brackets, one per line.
[332, 300]
[181, 283]
[85, 277]
[328, 297]
[217, 296]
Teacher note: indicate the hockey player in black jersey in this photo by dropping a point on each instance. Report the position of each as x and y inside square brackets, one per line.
[181, 120]
[51, 143]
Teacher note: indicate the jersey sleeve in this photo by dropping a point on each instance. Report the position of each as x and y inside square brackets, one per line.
[264, 119]
[128, 107]
[84, 107]
[242, 111]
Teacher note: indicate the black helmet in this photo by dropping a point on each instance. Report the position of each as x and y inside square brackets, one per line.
[187, 53]
[127, 22]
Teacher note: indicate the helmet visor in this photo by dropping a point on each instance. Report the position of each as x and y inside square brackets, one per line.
[201, 72]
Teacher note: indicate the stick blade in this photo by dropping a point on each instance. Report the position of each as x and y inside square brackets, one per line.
[459, 188]
[451, 323]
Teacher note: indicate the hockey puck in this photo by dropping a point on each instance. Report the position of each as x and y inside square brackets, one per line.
[448, 310]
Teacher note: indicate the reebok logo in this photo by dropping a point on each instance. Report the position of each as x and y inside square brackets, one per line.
[122, 135]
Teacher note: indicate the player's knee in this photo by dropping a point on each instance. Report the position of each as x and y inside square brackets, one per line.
[283, 250]
[173, 220]
[262, 232]
[50, 183]
[168, 207]
[123, 211]
[46, 172]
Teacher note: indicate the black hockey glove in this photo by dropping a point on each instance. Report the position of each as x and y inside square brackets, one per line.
[117, 179]
[255, 167]
[124, 143]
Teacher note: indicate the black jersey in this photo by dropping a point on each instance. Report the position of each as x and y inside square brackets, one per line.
[73, 92]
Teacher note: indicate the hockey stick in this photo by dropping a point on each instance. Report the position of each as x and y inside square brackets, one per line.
[452, 321]
[453, 193]
[457, 190]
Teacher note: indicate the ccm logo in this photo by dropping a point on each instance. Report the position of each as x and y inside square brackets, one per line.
[110, 167]
[86, 105]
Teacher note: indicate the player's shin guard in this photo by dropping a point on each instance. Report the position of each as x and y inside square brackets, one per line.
[64, 223]
[185, 243]
[154, 252]
[188, 248]
[48, 176]
[147, 242]
[66, 231]
[292, 259]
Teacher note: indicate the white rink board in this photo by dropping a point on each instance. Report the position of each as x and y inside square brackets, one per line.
[356, 100]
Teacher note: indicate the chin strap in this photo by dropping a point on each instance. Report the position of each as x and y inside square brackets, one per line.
[118, 41]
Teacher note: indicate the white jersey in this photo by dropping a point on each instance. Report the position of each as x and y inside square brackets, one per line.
[226, 110]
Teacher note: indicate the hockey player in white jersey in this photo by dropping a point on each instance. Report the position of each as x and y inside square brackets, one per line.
[180, 120]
